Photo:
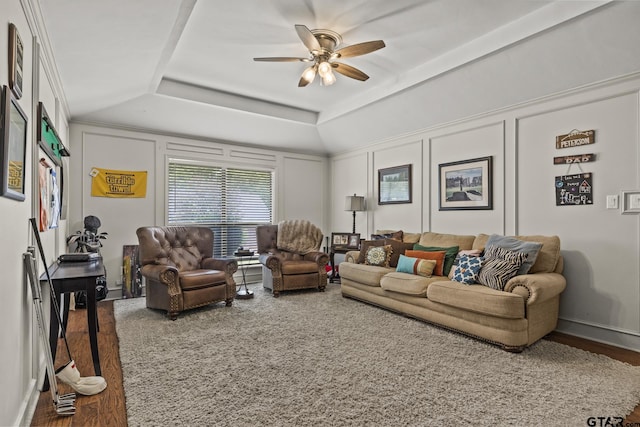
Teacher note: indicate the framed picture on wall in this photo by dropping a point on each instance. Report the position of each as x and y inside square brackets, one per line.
[466, 184]
[394, 185]
[13, 147]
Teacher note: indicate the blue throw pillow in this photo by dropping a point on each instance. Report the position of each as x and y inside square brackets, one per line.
[512, 244]
[467, 269]
[418, 266]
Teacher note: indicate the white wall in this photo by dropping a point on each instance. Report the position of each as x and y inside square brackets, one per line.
[300, 182]
[601, 246]
[21, 355]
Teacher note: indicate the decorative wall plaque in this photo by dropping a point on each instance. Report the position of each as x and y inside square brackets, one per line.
[569, 160]
[576, 138]
[16, 61]
[574, 189]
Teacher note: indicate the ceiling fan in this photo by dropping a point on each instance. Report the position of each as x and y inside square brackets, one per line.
[322, 46]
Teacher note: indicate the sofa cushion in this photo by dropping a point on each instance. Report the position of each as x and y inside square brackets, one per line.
[449, 257]
[467, 269]
[437, 256]
[443, 240]
[378, 256]
[511, 243]
[299, 267]
[477, 298]
[499, 266]
[366, 244]
[417, 266]
[397, 248]
[369, 275]
[548, 256]
[405, 283]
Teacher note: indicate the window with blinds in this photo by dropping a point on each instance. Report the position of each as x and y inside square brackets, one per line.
[232, 202]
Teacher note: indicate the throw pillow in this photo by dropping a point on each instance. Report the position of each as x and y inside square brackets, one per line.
[396, 235]
[437, 256]
[449, 258]
[378, 256]
[499, 266]
[366, 244]
[470, 252]
[420, 267]
[467, 269]
[511, 243]
[398, 249]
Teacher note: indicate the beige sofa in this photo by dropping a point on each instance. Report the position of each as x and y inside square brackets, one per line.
[513, 319]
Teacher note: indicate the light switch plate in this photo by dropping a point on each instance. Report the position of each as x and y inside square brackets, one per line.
[630, 201]
[612, 201]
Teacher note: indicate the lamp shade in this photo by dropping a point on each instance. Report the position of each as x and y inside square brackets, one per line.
[354, 203]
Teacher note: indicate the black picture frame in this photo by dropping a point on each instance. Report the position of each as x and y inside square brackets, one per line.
[354, 241]
[394, 185]
[13, 147]
[16, 61]
[340, 240]
[466, 184]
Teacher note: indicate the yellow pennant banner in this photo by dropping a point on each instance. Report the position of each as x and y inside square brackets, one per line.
[113, 183]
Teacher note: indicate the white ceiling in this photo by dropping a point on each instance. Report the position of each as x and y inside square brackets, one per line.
[186, 67]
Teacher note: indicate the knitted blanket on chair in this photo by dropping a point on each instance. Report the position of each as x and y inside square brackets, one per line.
[299, 236]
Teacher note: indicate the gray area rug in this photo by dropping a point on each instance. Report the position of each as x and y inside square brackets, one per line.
[315, 359]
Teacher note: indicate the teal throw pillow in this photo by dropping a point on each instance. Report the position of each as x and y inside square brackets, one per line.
[449, 256]
[418, 266]
[511, 243]
[467, 269]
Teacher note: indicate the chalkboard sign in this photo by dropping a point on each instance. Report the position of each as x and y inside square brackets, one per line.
[574, 189]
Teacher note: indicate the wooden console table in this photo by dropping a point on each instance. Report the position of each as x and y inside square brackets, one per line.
[332, 251]
[68, 277]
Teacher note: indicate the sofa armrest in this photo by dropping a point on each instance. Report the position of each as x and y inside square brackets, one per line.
[165, 274]
[228, 265]
[537, 287]
[352, 257]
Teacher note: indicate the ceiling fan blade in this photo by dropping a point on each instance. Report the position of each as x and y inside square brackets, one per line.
[308, 38]
[282, 59]
[349, 71]
[359, 49]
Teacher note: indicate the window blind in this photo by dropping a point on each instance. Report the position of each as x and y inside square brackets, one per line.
[231, 201]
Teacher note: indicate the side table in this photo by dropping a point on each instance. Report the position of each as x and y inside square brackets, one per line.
[336, 250]
[243, 292]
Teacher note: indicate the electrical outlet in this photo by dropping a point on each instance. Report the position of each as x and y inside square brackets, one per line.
[612, 201]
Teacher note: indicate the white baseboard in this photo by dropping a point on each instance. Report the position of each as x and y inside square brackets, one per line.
[599, 334]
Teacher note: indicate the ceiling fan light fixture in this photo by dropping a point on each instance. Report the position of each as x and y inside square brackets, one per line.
[324, 68]
[329, 78]
[309, 73]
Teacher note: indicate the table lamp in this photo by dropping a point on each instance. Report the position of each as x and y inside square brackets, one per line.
[355, 204]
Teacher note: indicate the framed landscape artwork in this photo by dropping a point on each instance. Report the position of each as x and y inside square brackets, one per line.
[394, 185]
[466, 184]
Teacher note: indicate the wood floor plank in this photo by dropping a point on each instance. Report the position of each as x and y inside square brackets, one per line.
[108, 408]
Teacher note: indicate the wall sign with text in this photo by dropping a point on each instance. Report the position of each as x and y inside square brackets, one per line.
[574, 189]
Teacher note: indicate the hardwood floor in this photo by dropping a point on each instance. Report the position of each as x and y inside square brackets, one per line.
[103, 409]
[108, 408]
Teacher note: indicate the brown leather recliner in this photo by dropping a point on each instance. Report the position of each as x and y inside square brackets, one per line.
[292, 262]
[180, 271]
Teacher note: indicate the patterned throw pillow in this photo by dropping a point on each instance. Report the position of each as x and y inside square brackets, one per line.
[420, 267]
[396, 235]
[467, 269]
[378, 255]
[366, 244]
[499, 266]
[511, 243]
[437, 256]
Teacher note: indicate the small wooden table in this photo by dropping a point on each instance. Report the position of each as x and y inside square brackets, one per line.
[336, 250]
[68, 277]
